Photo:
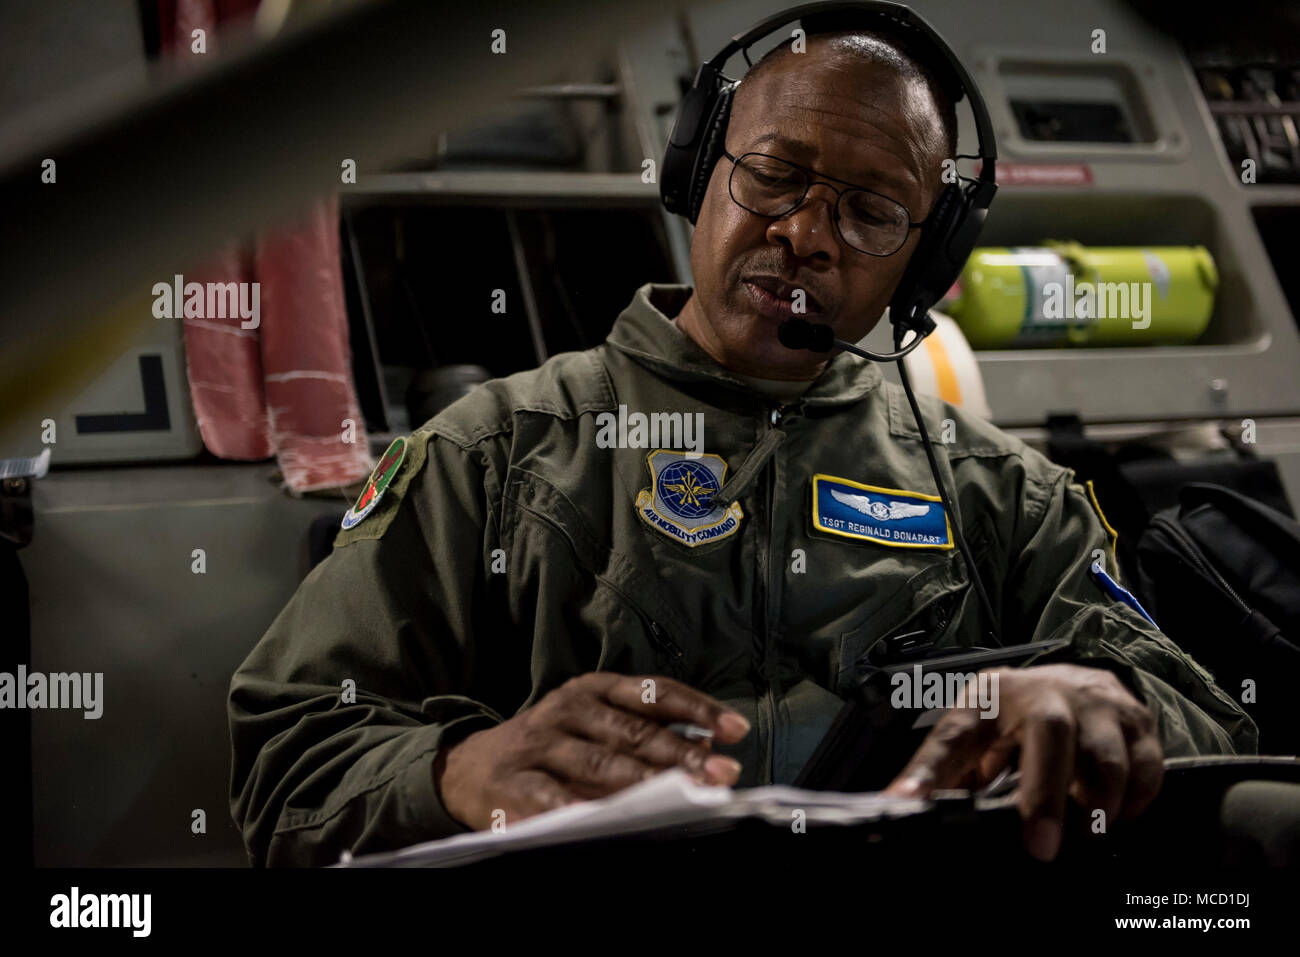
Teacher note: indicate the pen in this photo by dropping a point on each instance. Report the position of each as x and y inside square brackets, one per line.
[1118, 592]
[691, 732]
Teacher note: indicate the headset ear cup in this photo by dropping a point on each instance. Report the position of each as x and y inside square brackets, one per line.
[710, 150]
[684, 143]
[929, 273]
[966, 231]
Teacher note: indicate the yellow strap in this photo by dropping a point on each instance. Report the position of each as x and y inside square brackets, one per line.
[944, 374]
[1114, 535]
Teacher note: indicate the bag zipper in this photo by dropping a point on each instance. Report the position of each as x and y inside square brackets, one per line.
[1194, 555]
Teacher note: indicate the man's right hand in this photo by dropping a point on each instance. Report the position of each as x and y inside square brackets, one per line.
[592, 736]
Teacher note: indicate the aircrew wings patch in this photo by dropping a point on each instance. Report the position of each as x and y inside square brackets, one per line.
[888, 516]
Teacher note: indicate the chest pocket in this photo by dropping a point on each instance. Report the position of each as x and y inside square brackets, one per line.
[617, 599]
[916, 620]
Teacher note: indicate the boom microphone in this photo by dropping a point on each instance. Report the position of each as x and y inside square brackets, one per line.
[796, 333]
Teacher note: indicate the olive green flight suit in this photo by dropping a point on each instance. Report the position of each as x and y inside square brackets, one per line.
[510, 553]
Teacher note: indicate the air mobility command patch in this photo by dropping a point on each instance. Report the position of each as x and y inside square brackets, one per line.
[679, 502]
[888, 516]
[377, 484]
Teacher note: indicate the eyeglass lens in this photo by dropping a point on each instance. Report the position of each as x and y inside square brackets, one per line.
[768, 186]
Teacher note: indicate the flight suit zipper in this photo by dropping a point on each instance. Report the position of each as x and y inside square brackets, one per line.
[667, 646]
[768, 588]
[668, 650]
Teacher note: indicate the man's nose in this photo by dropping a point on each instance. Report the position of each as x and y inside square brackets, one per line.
[808, 229]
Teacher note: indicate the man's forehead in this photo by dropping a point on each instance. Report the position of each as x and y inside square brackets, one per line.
[807, 154]
[802, 104]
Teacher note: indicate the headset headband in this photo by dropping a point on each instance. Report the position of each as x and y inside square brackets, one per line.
[900, 15]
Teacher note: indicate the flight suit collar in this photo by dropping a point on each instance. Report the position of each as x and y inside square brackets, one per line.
[645, 331]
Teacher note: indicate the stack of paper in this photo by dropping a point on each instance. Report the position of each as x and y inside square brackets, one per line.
[668, 800]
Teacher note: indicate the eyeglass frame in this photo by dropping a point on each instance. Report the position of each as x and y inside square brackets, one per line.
[822, 178]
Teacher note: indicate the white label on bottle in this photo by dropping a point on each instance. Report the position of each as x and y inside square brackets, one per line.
[1047, 283]
[1159, 271]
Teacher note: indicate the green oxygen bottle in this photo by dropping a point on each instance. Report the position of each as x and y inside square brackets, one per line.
[1066, 294]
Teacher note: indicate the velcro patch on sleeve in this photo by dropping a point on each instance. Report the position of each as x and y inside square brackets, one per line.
[383, 492]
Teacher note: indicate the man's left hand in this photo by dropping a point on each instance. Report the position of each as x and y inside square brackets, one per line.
[1080, 733]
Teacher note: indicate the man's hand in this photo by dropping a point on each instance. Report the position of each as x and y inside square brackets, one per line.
[1080, 732]
[590, 737]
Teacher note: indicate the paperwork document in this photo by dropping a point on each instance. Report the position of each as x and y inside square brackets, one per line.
[669, 802]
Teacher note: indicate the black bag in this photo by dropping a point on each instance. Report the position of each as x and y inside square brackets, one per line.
[1220, 573]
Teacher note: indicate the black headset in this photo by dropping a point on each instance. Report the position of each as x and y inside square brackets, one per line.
[953, 224]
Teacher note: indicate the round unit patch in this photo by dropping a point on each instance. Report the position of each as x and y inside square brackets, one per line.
[687, 488]
[679, 502]
[379, 481]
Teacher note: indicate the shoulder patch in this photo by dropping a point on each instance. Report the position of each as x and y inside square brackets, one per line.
[370, 515]
[887, 516]
[377, 484]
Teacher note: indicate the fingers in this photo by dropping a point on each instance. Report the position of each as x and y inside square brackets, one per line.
[1046, 770]
[648, 741]
[996, 759]
[1121, 761]
[1103, 763]
[591, 766]
[665, 700]
[1085, 735]
[1146, 773]
[601, 732]
[1079, 730]
[949, 752]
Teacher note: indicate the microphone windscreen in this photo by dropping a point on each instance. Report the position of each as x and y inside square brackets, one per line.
[821, 337]
[794, 333]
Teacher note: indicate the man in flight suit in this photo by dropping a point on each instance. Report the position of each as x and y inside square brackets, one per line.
[552, 570]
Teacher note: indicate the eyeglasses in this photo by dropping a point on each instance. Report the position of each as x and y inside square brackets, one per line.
[867, 221]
